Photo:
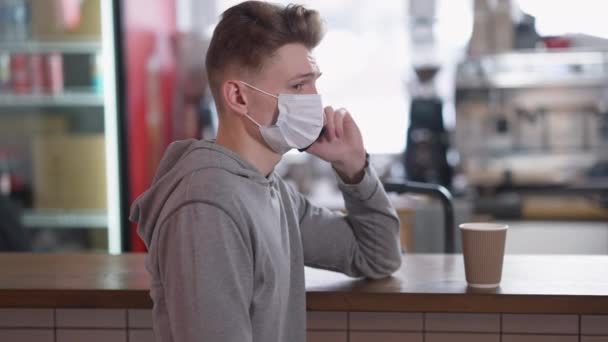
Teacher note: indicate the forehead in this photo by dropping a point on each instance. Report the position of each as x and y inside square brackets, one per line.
[291, 60]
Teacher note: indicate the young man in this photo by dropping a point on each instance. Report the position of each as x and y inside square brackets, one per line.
[228, 239]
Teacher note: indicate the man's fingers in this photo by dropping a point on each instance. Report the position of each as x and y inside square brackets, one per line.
[330, 126]
[338, 122]
[350, 126]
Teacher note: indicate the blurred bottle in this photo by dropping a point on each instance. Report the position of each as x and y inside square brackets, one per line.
[97, 73]
[5, 72]
[14, 20]
[526, 36]
[53, 73]
[481, 38]
[5, 175]
[21, 20]
[12, 185]
[20, 73]
[504, 28]
[36, 73]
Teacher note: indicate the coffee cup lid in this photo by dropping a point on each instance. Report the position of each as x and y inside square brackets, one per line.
[484, 226]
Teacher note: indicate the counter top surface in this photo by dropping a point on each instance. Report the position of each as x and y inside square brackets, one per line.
[424, 283]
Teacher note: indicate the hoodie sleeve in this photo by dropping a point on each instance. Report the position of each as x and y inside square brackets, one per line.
[365, 242]
[206, 272]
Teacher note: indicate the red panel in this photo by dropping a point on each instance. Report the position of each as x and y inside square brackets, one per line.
[145, 24]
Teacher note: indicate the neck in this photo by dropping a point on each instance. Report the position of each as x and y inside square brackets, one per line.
[232, 134]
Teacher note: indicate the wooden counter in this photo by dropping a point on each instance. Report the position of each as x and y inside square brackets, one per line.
[549, 284]
[436, 283]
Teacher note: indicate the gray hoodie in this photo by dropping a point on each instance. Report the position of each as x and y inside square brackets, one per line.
[227, 246]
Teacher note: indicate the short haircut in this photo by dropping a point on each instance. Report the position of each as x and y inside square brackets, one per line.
[251, 32]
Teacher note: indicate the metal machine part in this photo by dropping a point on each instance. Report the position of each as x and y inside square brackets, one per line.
[535, 123]
[436, 191]
[532, 118]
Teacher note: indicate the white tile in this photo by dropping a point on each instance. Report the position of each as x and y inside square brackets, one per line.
[91, 335]
[140, 318]
[385, 321]
[539, 338]
[91, 318]
[27, 318]
[594, 325]
[460, 322]
[326, 336]
[27, 335]
[143, 335]
[325, 320]
[461, 337]
[376, 336]
[538, 324]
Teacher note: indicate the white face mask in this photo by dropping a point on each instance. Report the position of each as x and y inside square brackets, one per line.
[299, 124]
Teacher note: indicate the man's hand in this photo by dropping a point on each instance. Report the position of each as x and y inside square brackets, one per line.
[341, 145]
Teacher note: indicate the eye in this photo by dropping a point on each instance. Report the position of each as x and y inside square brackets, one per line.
[298, 86]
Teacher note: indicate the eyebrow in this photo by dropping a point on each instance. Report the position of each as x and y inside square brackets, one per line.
[307, 75]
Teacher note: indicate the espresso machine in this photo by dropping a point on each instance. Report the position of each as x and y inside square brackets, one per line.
[532, 127]
[427, 139]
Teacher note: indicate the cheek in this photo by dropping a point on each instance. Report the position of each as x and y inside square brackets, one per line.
[264, 110]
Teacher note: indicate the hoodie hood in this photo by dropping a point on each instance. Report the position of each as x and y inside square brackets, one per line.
[181, 159]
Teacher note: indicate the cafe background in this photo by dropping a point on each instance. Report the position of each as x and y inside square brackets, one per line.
[503, 103]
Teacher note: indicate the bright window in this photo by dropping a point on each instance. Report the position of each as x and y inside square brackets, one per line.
[561, 17]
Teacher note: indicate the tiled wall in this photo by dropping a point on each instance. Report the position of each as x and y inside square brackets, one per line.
[71, 325]
[127, 325]
[449, 327]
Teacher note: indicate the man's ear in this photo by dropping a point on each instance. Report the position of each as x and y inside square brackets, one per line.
[234, 96]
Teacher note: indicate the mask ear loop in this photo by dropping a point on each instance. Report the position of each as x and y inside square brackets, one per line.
[258, 89]
[261, 91]
[252, 120]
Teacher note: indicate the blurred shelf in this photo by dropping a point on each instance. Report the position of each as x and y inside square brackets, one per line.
[63, 47]
[67, 99]
[529, 81]
[88, 219]
[537, 68]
